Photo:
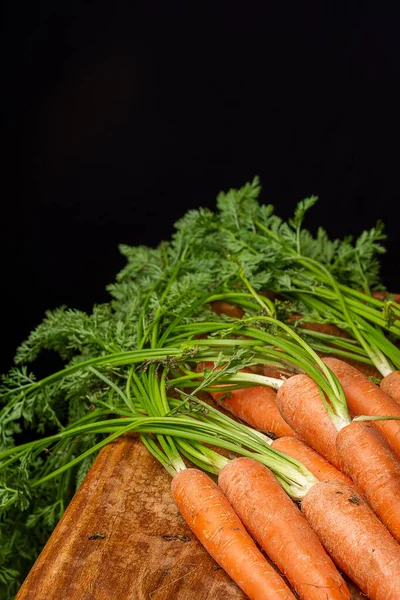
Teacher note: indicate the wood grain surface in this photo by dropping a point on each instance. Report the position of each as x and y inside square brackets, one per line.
[147, 552]
[122, 538]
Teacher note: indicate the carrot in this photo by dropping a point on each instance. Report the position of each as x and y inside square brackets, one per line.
[385, 295]
[365, 398]
[367, 459]
[301, 406]
[355, 538]
[331, 329]
[359, 449]
[225, 308]
[317, 464]
[321, 327]
[212, 519]
[367, 370]
[269, 371]
[391, 385]
[276, 523]
[254, 405]
[257, 407]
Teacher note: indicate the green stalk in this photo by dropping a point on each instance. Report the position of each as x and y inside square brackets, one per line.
[356, 301]
[117, 359]
[201, 456]
[377, 359]
[234, 438]
[327, 380]
[324, 349]
[299, 355]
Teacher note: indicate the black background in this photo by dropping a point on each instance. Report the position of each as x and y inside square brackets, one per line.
[121, 116]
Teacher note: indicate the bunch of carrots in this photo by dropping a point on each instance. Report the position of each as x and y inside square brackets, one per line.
[315, 479]
[355, 507]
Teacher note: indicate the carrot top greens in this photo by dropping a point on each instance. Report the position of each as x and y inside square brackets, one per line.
[138, 355]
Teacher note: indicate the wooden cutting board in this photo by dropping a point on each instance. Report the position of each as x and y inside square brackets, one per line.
[122, 538]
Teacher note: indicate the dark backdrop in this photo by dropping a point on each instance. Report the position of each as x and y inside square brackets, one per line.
[121, 116]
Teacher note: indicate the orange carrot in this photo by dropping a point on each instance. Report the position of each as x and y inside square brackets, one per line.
[367, 459]
[317, 464]
[328, 328]
[269, 371]
[359, 449]
[391, 385]
[225, 308]
[355, 538]
[301, 406]
[365, 398]
[385, 295]
[276, 523]
[257, 407]
[212, 519]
